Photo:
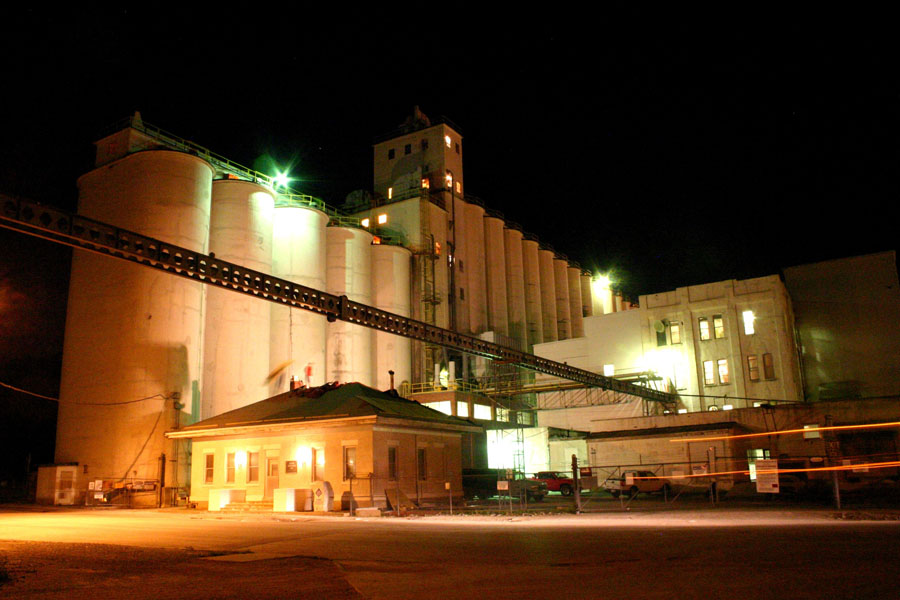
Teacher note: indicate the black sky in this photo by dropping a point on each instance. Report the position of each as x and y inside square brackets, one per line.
[703, 147]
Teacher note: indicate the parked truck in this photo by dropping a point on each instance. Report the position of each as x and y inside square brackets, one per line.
[487, 483]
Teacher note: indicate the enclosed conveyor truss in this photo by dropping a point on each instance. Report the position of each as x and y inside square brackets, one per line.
[87, 234]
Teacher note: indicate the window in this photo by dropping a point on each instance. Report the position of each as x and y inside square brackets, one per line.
[448, 179]
[462, 293]
[229, 467]
[708, 375]
[719, 326]
[392, 463]
[349, 462]
[317, 464]
[675, 332]
[382, 219]
[748, 318]
[391, 154]
[424, 144]
[421, 465]
[364, 222]
[661, 338]
[502, 414]
[252, 467]
[768, 366]
[462, 409]
[210, 468]
[457, 147]
[704, 328]
[722, 366]
[458, 187]
[447, 141]
[425, 183]
[753, 367]
[390, 193]
[407, 149]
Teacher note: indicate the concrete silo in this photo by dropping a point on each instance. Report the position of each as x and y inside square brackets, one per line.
[475, 267]
[548, 294]
[515, 285]
[563, 314]
[297, 337]
[575, 304]
[133, 346]
[236, 335]
[587, 298]
[495, 271]
[348, 347]
[532, 270]
[391, 267]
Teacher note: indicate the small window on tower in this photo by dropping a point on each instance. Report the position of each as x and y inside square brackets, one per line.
[382, 219]
[448, 141]
[457, 147]
[390, 193]
[424, 144]
[704, 328]
[748, 317]
[407, 149]
[458, 187]
[719, 326]
[448, 178]
[462, 293]
[391, 154]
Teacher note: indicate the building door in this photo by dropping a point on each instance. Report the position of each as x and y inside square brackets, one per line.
[271, 476]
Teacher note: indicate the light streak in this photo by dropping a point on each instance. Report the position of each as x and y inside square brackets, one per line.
[873, 465]
[784, 431]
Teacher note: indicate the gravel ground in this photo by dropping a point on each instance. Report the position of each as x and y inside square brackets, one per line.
[64, 571]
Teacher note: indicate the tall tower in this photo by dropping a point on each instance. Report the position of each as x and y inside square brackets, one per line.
[418, 196]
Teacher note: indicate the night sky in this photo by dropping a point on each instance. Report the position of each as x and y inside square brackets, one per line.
[686, 151]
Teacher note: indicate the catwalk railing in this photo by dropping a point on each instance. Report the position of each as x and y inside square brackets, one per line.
[77, 231]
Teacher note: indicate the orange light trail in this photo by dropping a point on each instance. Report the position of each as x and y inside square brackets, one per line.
[784, 431]
[877, 465]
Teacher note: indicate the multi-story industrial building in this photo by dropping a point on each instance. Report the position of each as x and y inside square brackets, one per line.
[146, 352]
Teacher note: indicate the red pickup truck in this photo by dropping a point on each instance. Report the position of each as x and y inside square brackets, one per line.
[556, 482]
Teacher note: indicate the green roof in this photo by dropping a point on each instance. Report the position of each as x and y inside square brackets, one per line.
[350, 400]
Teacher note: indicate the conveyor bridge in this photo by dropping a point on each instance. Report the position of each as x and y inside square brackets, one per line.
[81, 232]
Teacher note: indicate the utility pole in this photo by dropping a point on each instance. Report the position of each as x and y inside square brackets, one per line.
[577, 484]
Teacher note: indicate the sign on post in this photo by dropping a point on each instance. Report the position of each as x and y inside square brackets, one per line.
[767, 475]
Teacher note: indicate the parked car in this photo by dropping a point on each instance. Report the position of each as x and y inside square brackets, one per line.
[632, 482]
[482, 483]
[556, 482]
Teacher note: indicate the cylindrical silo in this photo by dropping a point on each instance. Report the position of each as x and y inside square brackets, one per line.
[587, 300]
[236, 334]
[575, 310]
[475, 267]
[133, 345]
[297, 336]
[348, 347]
[563, 313]
[459, 273]
[515, 285]
[391, 292]
[495, 271]
[532, 269]
[548, 294]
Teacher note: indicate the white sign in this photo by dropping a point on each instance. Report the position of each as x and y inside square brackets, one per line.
[767, 475]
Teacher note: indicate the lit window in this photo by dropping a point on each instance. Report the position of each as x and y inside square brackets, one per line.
[421, 465]
[210, 468]
[719, 326]
[675, 333]
[382, 219]
[458, 187]
[425, 183]
[482, 412]
[229, 467]
[704, 328]
[462, 409]
[723, 370]
[448, 179]
[768, 366]
[709, 377]
[392, 463]
[349, 462]
[390, 193]
[391, 154]
[609, 370]
[748, 322]
[502, 414]
[252, 467]
[437, 248]
[447, 141]
[364, 222]
[407, 149]
[753, 367]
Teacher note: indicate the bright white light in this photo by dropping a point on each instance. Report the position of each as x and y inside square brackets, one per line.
[282, 180]
[240, 459]
[609, 370]
[303, 455]
[682, 411]
[727, 407]
[749, 317]
[364, 222]
[447, 140]
[382, 219]
[390, 193]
